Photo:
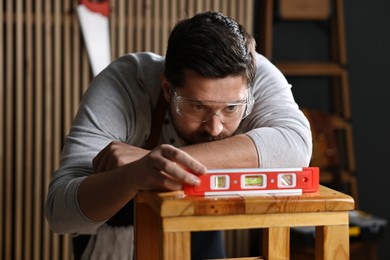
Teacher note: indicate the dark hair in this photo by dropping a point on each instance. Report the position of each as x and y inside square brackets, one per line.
[212, 45]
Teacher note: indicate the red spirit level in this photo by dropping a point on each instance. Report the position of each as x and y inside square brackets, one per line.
[256, 181]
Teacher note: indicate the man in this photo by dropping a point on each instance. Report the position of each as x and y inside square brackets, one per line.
[226, 107]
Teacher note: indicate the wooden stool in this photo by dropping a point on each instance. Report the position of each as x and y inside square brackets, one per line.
[164, 221]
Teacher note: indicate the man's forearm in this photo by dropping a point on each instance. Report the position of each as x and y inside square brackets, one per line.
[166, 167]
[235, 152]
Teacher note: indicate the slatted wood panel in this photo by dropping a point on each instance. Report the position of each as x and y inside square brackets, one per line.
[44, 70]
[144, 25]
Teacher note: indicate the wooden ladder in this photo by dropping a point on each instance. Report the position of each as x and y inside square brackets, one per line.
[342, 173]
[330, 11]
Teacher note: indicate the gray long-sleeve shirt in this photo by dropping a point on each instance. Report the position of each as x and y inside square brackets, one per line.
[119, 104]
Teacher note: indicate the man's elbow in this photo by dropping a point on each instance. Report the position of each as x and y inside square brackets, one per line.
[55, 218]
[305, 152]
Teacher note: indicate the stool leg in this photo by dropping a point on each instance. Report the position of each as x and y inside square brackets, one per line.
[177, 245]
[276, 243]
[332, 242]
[147, 226]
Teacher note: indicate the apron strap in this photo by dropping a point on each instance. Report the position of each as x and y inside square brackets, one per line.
[157, 122]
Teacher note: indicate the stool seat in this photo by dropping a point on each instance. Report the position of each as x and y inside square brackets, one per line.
[164, 220]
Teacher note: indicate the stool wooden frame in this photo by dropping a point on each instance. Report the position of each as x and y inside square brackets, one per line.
[163, 221]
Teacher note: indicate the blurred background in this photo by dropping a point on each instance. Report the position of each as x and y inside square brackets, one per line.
[304, 39]
[367, 28]
[45, 68]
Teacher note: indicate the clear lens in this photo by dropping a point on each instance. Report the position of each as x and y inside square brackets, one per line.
[202, 111]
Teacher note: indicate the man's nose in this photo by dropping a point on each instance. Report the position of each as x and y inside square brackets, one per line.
[214, 125]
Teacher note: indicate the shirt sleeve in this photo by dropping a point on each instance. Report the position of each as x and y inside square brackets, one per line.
[109, 110]
[276, 125]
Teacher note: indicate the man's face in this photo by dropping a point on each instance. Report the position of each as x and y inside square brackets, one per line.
[206, 109]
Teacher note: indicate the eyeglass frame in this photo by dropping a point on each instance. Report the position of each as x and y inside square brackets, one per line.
[249, 101]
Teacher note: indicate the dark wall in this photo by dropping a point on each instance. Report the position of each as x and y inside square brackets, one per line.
[368, 52]
[368, 42]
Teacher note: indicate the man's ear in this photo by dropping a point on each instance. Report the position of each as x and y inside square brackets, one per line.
[165, 87]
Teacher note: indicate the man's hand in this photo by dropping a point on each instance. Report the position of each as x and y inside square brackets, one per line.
[116, 154]
[167, 168]
[124, 169]
[163, 168]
